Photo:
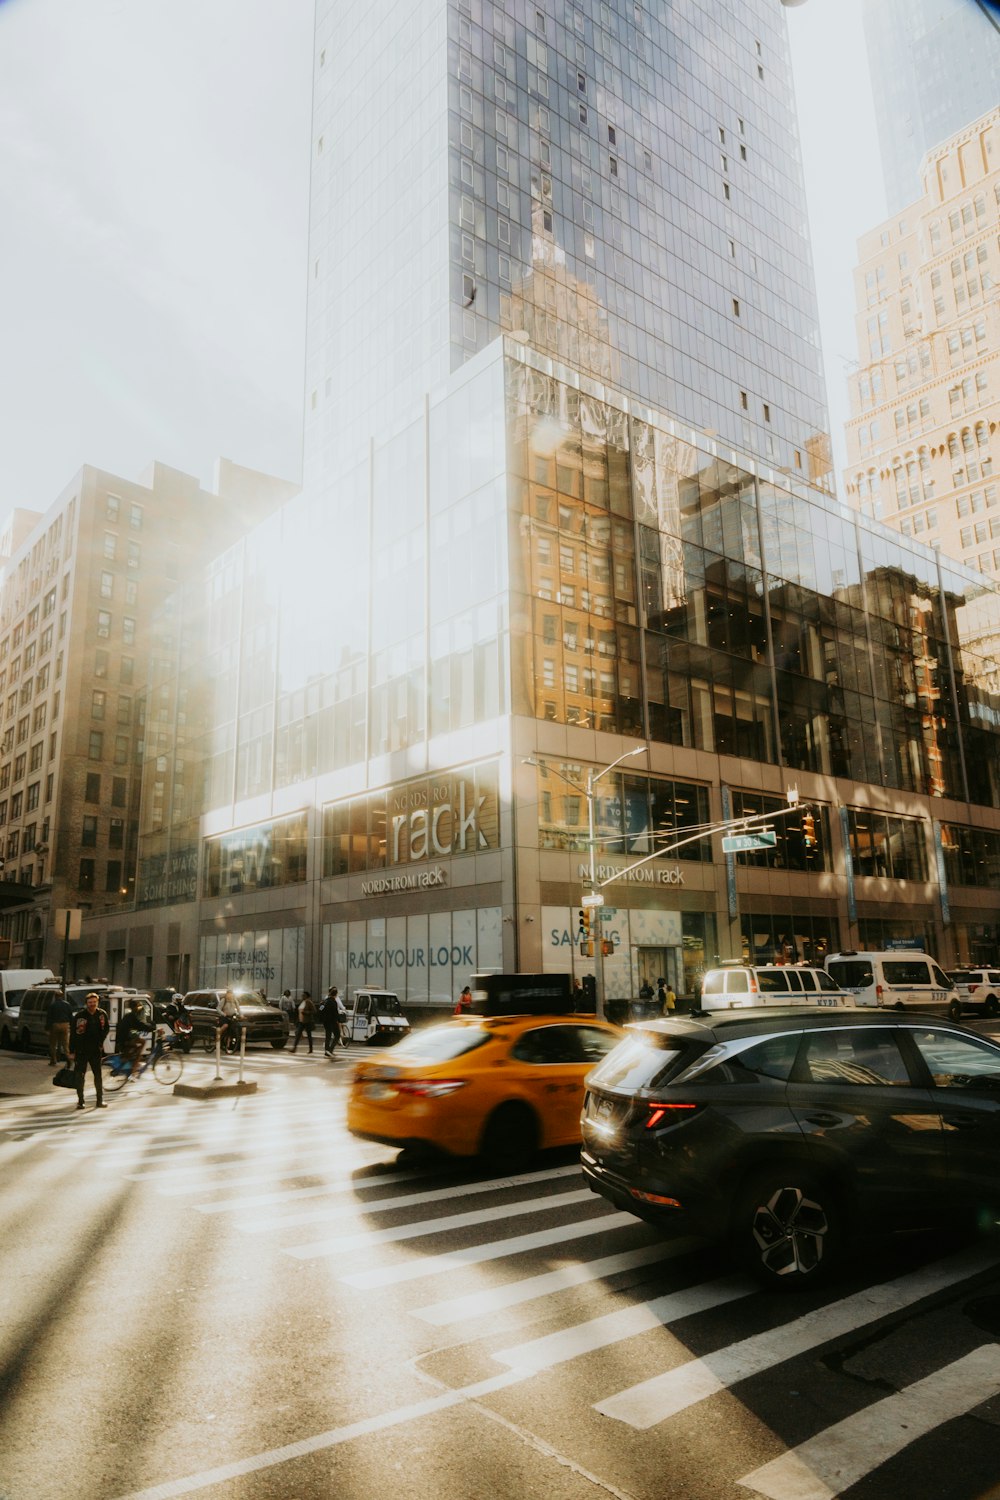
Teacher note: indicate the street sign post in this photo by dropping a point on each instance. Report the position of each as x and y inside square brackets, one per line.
[743, 843]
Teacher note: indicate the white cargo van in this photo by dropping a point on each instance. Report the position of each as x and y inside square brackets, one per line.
[13, 983]
[904, 979]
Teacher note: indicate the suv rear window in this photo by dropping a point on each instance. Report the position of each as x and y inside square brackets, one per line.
[644, 1061]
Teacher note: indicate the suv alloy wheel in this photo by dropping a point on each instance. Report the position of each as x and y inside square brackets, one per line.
[787, 1227]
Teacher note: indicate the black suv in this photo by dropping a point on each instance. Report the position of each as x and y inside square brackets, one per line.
[786, 1130]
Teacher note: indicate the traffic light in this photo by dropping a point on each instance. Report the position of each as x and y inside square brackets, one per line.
[809, 830]
[583, 928]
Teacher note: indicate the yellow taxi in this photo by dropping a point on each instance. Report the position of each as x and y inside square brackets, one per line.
[498, 1086]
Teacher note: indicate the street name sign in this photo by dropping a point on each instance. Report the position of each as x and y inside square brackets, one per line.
[742, 843]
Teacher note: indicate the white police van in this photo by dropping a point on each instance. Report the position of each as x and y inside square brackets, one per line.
[900, 979]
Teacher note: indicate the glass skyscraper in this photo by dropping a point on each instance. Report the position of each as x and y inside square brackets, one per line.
[934, 66]
[564, 502]
[617, 183]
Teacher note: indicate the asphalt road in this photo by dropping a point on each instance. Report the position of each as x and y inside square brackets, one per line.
[232, 1298]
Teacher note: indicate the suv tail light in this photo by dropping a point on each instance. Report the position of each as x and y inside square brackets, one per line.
[667, 1114]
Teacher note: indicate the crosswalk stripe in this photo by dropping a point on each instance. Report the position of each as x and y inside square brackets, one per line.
[577, 1273]
[458, 1260]
[652, 1401]
[223, 1177]
[410, 1200]
[337, 1184]
[840, 1456]
[625, 1323]
[370, 1237]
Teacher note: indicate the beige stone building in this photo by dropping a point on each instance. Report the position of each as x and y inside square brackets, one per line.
[79, 588]
[925, 398]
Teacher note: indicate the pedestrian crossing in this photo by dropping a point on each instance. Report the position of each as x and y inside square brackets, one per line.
[460, 1252]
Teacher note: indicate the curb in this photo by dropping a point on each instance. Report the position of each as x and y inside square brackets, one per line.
[213, 1090]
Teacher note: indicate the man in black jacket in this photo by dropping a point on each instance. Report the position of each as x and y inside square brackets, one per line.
[88, 1029]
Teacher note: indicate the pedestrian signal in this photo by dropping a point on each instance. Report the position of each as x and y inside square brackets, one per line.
[809, 830]
[607, 947]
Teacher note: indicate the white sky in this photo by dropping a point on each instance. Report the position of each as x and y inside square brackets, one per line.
[154, 199]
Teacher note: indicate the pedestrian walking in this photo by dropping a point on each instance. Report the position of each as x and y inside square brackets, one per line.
[306, 1017]
[88, 1029]
[463, 1005]
[330, 1015]
[58, 1014]
[671, 1001]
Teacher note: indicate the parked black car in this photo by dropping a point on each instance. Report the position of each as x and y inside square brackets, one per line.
[262, 1022]
[789, 1131]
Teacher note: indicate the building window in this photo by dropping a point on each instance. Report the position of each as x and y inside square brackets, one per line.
[113, 879]
[86, 882]
[112, 508]
[16, 805]
[103, 623]
[128, 630]
[135, 517]
[121, 749]
[20, 764]
[93, 789]
[126, 669]
[88, 834]
[119, 791]
[110, 545]
[98, 698]
[95, 745]
[116, 833]
[134, 554]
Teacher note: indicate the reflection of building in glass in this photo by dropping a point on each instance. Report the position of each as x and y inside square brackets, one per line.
[925, 399]
[934, 67]
[562, 392]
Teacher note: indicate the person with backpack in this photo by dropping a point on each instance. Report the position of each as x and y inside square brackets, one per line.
[330, 1015]
[306, 1015]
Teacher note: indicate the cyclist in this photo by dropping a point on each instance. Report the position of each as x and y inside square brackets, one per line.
[129, 1035]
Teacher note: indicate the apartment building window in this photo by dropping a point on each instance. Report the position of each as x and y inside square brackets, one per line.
[95, 745]
[23, 726]
[135, 517]
[107, 585]
[93, 787]
[126, 669]
[113, 878]
[124, 709]
[112, 508]
[29, 838]
[20, 765]
[103, 623]
[49, 604]
[33, 790]
[13, 844]
[49, 786]
[128, 630]
[119, 791]
[38, 718]
[98, 700]
[3, 812]
[116, 833]
[121, 749]
[110, 545]
[16, 805]
[86, 881]
[45, 640]
[35, 758]
[88, 833]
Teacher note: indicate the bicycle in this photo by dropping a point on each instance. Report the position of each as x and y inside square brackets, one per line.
[230, 1042]
[166, 1062]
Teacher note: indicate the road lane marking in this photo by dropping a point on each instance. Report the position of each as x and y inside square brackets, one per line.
[324, 1440]
[840, 1456]
[652, 1401]
[367, 1238]
[288, 1195]
[477, 1304]
[457, 1260]
[625, 1323]
[408, 1200]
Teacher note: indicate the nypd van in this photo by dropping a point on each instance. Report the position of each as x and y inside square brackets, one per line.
[903, 979]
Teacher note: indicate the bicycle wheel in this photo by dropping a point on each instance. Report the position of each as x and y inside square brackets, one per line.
[168, 1067]
[115, 1073]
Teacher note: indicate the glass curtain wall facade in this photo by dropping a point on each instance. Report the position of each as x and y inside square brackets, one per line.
[934, 67]
[617, 183]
